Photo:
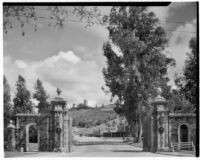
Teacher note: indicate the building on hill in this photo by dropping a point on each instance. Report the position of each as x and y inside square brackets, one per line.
[85, 102]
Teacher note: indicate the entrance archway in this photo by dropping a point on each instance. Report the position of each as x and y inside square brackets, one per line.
[183, 133]
[32, 137]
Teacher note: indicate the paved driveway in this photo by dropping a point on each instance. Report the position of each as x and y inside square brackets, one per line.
[98, 149]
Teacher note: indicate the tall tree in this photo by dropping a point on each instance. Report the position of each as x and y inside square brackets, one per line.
[187, 83]
[22, 100]
[190, 73]
[133, 75]
[6, 102]
[41, 95]
[177, 103]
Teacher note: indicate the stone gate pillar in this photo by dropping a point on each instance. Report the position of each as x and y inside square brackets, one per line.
[11, 136]
[160, 125]
[60, 129]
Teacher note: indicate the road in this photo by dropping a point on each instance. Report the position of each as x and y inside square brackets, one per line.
[107, 148]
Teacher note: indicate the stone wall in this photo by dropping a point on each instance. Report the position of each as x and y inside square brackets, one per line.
[178, 119]
[24, 120]
[44, 129]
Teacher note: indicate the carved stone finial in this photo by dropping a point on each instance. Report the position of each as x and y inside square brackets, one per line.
[159, 91]
[11, 124]
[58, 91]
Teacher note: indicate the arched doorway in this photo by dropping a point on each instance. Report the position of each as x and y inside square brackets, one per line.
[183, 133]
[31, 137]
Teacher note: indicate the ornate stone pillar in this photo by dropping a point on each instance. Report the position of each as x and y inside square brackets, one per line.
[160, 127]
[59, 124]
[11, 136]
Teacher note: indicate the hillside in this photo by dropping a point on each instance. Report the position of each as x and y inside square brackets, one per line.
[115, 125]
[92, 116]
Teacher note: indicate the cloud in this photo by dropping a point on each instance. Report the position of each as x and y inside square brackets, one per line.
[164, 12]
[5, 43]
[78, 79]
[81, 48]
[161, 12]
[179, 46]
[20, 64]
[68, 56]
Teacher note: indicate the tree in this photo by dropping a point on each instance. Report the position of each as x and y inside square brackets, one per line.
[179, 104]
[113, 123]
[41, 96]
[82, 106]
[190, 74]
[22, 101]
[7, 108]
[187, 83]
[55, 16]
[6, 102]
[133, 75]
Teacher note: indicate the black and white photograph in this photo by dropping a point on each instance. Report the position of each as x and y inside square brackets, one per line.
[100, 79]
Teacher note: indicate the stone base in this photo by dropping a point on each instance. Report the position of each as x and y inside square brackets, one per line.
[66, 150]
[57, 150]
[163, 149]
[145, 149]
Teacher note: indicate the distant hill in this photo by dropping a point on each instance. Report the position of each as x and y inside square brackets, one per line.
[115, 125]
[92, 116]
[109, 107]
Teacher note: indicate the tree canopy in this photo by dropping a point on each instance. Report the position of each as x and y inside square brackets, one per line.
[55, 16]
[133, 75]
[190, 73]
[6, 102]
[41, 96]
[22, 100]
[187, 84]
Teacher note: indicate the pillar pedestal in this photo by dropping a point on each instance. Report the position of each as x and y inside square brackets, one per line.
[11, 136]
[160, 127]
[61, 127]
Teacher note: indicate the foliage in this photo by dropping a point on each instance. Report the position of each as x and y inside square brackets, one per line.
[41, 95]
[6, 102]
[187, 83]
[20, 138]
[22, 101]
[54, 15]
[120, 127]
[7, 110]
[133, 76]
[179, 104]
[90, 117]
[114, 123]
[82, 106]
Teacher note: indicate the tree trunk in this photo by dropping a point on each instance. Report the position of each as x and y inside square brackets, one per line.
[140, 129]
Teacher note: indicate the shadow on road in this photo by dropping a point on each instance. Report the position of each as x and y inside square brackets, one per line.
[175, 154]
[126, 151]
[16, 154]
[98, 143]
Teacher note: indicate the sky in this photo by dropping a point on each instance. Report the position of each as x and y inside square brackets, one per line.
[72, 58]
